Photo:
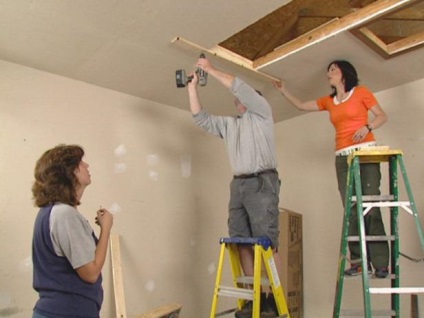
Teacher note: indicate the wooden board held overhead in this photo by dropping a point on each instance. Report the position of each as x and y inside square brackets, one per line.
[222, 53]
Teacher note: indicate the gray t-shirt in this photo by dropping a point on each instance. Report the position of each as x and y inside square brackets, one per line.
[71, 235]
[249, 138]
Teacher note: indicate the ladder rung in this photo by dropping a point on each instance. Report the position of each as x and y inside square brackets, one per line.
[374, 198]
[360, 313]
[234, 292]
[397, 290]
[249, 280]
[372, 238]
[370, 276]
[386, 204]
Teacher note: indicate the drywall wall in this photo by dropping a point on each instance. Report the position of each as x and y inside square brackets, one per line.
[167, 182]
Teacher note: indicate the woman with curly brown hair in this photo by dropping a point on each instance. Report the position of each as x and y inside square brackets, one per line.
[67, 255]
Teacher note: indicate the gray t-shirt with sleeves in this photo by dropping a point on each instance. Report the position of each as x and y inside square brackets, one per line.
[249, 138]
[71, 235]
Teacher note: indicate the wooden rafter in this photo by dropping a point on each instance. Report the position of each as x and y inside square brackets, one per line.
[389, 27]
[351, 21]
[319, 11]
[392, 49]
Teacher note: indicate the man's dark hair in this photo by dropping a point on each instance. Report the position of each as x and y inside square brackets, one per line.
[349, 75]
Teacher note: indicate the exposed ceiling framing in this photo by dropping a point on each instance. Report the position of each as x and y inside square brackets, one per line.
[125, 45]
[388, 27]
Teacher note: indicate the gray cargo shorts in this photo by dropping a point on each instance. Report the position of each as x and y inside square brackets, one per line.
[253, 207]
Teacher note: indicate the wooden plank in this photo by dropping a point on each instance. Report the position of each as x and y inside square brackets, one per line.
[358, 18]
[408, 43]
[317, 11]
[167, 311]
[222, 53]
[118, 284]
[373, 41]
[171, 310]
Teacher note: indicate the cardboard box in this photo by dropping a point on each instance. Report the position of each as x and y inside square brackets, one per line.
[291, 254]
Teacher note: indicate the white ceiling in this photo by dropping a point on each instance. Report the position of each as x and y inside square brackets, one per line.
[125, 45]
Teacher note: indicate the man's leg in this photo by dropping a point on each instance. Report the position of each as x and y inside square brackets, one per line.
[238, 226]
[246, 259]
[261, 199]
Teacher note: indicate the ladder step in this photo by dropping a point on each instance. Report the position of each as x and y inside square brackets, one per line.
[263, 241]
[374, 198]
[397, 290]
[372, 238]
[360, 313]
[234, 292]
[386, 204]
[249, 280]
[370, 276]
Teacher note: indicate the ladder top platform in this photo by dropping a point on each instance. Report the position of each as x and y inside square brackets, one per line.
[374, 154]
[264, 241]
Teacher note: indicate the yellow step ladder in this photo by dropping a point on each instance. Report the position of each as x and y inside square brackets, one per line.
[262, 253]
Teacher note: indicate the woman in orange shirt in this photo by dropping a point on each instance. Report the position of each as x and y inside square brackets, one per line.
[348, 105]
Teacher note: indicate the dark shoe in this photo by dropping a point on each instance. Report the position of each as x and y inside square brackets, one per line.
[245, 311]
[381, 272]
[356, 270]
[269, 310]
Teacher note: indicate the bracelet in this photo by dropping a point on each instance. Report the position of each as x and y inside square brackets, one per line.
[369, 127]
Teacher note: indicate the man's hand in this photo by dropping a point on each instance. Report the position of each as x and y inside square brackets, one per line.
[225, 78]
[205, 65]
[194, 81]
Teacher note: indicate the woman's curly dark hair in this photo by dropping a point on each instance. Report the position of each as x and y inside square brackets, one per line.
[350, 76]
[55, 179]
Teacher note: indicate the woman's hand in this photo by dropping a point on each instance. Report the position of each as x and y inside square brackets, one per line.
[279, 86]
[104, 219]
[360, 134]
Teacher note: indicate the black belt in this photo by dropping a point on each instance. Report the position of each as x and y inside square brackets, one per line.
[256, 174]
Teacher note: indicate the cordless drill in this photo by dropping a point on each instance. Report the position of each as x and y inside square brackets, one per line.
[182, 79]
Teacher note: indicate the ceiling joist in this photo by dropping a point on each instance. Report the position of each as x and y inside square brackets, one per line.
[358, 18]
[388, 27]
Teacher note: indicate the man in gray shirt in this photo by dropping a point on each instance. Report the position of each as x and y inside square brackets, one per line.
[255, 188]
